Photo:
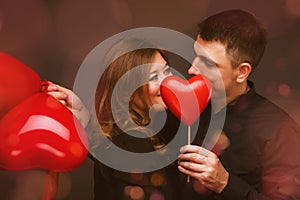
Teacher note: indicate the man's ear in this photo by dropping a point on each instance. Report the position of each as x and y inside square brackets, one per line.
[243, 72]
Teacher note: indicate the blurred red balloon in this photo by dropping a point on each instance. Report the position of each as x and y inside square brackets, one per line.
[40, 132]
[186, 99]
[17, 82]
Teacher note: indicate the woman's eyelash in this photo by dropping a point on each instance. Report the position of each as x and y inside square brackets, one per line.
[168, 70]
[153, 78]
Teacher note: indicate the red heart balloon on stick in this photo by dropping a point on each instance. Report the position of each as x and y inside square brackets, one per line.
[186, 99]
[40, 132]
[17, 82]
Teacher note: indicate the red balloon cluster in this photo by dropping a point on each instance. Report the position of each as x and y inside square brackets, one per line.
[36, 130]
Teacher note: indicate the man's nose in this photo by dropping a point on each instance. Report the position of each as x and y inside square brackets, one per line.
[193, 70]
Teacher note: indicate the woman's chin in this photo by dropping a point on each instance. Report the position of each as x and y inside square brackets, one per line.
[159, 107]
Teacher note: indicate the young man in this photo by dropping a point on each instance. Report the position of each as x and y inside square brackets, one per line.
[261, 160]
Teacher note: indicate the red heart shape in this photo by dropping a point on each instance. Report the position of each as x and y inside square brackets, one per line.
[17, 82]
[186, 99]
[40, 132]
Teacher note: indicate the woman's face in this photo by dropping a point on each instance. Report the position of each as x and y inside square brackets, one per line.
[158, 71]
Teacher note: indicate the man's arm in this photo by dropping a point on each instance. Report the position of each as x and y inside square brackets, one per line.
[280, 164]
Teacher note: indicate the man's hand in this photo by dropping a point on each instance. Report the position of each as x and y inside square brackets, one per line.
[71, 101]
[204, 166]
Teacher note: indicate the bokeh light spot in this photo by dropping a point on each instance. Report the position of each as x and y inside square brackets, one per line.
[76, 149]
[198, 187]
[157, 179]
[284, 90]
[157, 196]
[136, 176]
[127, 190]
[136, 193]
[270, 89]
[235, 127]
[293, 7]
[221, 144]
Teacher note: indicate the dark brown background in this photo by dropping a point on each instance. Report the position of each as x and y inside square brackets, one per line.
[54, 36]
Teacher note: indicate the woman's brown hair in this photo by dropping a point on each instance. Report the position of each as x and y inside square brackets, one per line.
[117, 108]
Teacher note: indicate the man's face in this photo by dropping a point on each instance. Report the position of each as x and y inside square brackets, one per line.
[213, 62]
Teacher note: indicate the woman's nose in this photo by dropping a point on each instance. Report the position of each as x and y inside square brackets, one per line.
[162, 77]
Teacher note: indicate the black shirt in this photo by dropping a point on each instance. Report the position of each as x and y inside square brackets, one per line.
[262, 155]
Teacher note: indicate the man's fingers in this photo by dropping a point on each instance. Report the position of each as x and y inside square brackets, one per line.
[196, 149]
[191, 166]
[192, 157]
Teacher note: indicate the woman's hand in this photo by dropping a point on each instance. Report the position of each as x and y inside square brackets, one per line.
[71, 101]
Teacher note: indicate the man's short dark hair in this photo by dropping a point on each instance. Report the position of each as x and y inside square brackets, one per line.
[241, 32]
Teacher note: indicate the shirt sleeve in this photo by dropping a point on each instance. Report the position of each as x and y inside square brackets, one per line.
[281, 169]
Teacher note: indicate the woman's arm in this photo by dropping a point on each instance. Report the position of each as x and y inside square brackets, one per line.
[71, 101]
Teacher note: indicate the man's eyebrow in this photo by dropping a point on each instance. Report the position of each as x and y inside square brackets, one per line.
[204, 58]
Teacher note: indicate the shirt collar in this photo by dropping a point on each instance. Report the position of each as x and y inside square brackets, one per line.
[241, 102]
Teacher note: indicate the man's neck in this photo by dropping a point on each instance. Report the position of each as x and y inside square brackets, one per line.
[231, 97]
[238, 91]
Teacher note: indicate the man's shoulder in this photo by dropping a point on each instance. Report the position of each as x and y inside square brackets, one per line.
[266, 107]
[265, 114]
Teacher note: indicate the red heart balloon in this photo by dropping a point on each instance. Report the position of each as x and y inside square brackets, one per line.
[17, 82]
[40, 132]
[186, 99]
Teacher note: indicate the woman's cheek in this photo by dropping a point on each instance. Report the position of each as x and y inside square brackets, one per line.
[153, 89]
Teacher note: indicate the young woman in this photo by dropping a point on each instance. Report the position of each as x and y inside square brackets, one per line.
[126, 93]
